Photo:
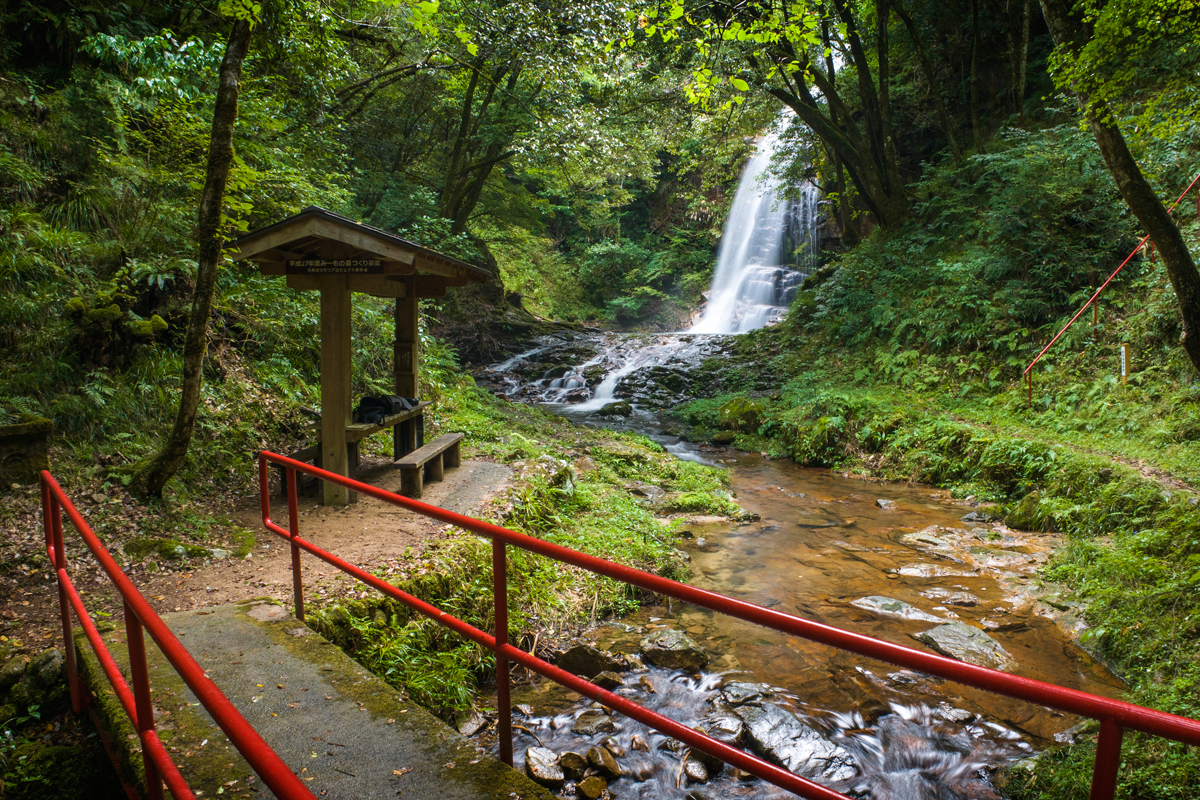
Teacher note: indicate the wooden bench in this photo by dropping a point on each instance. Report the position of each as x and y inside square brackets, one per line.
[428, 463]
[408, 435]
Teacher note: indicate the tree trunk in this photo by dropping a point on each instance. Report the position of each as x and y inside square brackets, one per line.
[1070, 33]
[1022, 60]
[150, 478]
[976, 125]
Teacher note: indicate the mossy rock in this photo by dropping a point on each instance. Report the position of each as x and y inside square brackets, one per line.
[1029, 515]
[742, 414]
[621, 408]
[170, 549]
[723, 437]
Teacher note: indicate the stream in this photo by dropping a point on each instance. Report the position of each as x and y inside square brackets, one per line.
[886, 560]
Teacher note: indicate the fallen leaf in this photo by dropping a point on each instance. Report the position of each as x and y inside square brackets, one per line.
[449, 765]
[402, 771]
[390, 721]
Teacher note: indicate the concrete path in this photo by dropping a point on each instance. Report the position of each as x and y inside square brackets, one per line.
[345, 732]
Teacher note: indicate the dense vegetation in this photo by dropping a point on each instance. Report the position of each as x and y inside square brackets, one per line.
[588, 152]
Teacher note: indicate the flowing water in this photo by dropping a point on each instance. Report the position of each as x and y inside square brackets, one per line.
[822, 543]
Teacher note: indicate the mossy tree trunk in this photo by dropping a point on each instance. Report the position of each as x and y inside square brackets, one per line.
[151, 476]
[1072, 33]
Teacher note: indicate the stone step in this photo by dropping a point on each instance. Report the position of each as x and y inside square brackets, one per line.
[343, 730]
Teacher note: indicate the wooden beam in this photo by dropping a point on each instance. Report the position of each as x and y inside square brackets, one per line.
[374, 285]
[335, 383]
[436, 286]
[426, 262]
[363, 240]
[405, 361]
[280, 237]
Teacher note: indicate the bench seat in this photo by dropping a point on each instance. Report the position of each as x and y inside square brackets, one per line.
[428, 463]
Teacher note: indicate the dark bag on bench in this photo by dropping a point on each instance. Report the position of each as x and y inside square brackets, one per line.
[372, 410]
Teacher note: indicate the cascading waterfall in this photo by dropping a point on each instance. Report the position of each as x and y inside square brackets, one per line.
[769, 246]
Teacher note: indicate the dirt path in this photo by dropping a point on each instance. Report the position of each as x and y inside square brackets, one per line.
[371, 534]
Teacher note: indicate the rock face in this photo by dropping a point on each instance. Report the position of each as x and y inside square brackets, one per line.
[959, 640]
[588, 662]
[778, 736]
[541, 764]
[671, 649]
[590, 723]
[890, 607]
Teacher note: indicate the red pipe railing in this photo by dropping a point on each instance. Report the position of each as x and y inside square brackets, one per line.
[140, 617]
[1115, 716]
[1093, 301]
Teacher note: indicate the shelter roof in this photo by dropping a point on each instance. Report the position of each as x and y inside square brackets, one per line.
[316, 233]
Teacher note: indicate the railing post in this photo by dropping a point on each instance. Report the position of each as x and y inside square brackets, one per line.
[503, 698]
[64, 607]
[294, 529]
[141, 697]
[1108, 761]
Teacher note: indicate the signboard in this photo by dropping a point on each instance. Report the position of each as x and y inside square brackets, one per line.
[340, 266]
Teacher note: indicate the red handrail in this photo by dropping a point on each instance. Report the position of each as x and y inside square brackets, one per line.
[1114, 715]
[158, 765]
[1092, 301]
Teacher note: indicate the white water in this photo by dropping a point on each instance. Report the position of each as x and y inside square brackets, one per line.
[755, 280]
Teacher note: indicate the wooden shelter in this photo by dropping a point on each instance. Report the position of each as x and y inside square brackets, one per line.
[317, 250]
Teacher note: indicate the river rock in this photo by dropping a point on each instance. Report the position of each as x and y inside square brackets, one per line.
[739, 693]
[591, 787]
[959, 640]
[778, 736]
[886, 504]
[604, 761]
[890, 607]
[588, 662]
[573, 764]
[472, 725]
[962, 599]
[541, 764]
[723, 437]
[590, 723]
[672, 649]
[608, 680]
[927, 539]
[982, 515]
[726, 727]
[621, 408]
[695, 771]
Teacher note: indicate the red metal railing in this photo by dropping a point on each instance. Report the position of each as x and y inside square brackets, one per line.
[1093, 301]
[140, 617]
[1114, 716]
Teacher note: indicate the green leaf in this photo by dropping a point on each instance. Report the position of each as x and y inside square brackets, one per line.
[740, 84]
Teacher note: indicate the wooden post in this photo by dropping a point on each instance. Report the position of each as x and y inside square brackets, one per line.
[1126, 366]
[335, 384]
[407, 342]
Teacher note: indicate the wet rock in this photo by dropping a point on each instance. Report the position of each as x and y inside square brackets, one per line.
[602, 760]
[671, 649]
[723, 437]
[951, 714]
[695, 772]
[556, 372]
[890, 607]
[886, 504]
[712, 764]
[586, 661]
[726, 727]
[541, 764]
[621, 408]
[592, 787]
[613, 746]
[927, 539]
[639, 744]
[608, 680]
[472, 725]
[959, 640]
[981, 515]
[738, 693]
[963, 599]
[933, 571]
[573, 764]
[591, 723]
[778, 736]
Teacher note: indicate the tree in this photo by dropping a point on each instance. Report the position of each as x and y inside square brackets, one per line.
[150, 477]
[1089, 39]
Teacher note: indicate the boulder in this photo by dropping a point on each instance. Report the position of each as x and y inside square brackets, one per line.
[12, 671]
[472, 725]
[890, 607]
[672, 649]
[723, 437]
[621, 408]
[591, 788]
[573, 764]
[605, 762]
[779, 737]
[959, 640]
[886, 504]
[726, 727]
[591, 723]
[541, 764]
[1027, 515]
[741, 414]
[587, 662]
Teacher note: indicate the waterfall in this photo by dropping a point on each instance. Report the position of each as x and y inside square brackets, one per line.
[769, 246]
